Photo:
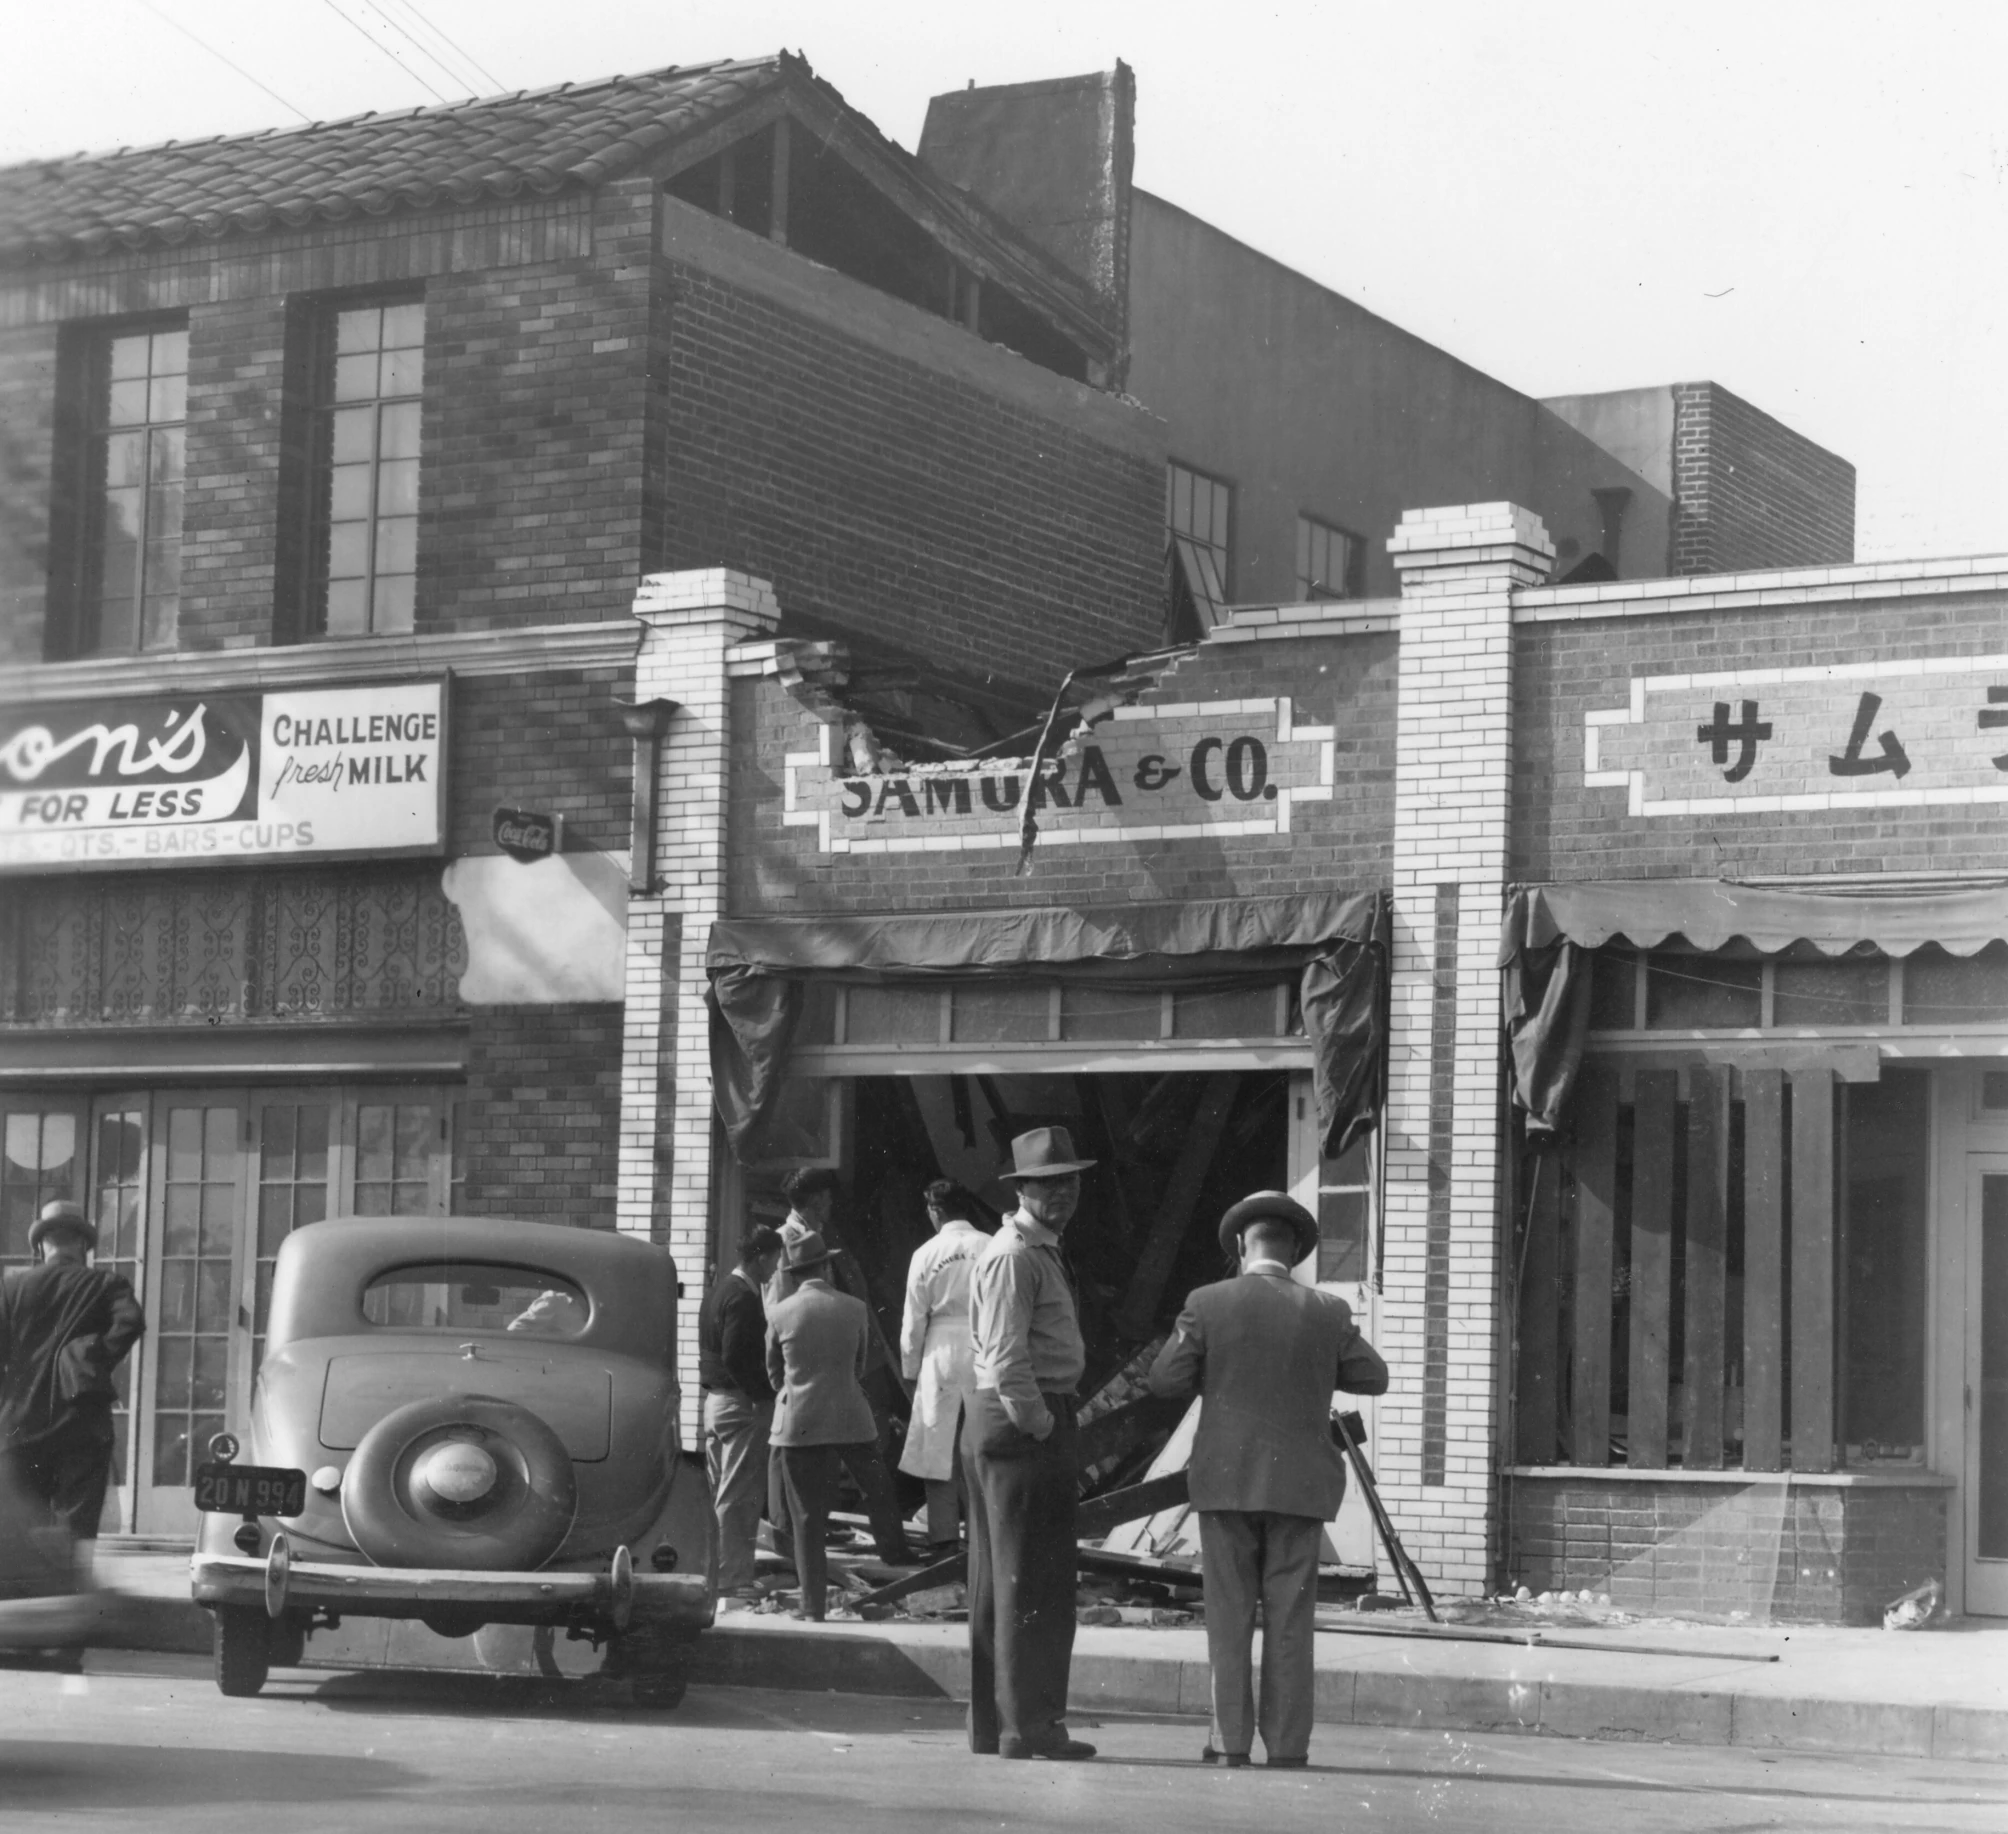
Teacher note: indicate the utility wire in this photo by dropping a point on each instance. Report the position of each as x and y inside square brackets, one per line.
[376, 43]
[456, 77]
[452, 43]
[168, 20]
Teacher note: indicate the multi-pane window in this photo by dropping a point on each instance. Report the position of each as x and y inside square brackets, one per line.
[134, 445]
[394, 1155]
[369, 378]
[1201, 508]
[1328, 561]
[200, 1201]
[293, 1168]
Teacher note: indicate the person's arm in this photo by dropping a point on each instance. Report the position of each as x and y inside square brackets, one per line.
[777, 1364]
[128, 1321]
[913, 1322]
[1007, 1285]
[742, 1344]
[1361, 1371]
[1181, 1364]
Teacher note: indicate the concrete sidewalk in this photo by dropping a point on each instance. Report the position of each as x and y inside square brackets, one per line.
[1934, 1693]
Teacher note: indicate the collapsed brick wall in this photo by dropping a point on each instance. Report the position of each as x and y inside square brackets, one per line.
[1824, 1555]
[1749, 492]
[1342, 845]
[1564, 830]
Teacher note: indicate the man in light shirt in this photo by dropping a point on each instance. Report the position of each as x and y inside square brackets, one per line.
[1018, 1459]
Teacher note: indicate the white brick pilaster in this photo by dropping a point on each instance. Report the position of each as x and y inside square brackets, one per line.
[1453, 787]
[691, 620]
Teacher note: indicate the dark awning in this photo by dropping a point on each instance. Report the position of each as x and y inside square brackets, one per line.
[1335, 943]
[1712, 912]
[1548, 928]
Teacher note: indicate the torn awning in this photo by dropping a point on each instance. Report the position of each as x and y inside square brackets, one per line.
[1335, 943]
[1549, 929]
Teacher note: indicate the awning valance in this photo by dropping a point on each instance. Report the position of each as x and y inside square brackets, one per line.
[1712, 912]
[1335, 943]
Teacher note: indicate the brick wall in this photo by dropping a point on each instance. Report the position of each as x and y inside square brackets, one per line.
[1563, 830]
[1750, 492]
[1345, 682]
[547, 741]
[1815, 1554]
[542, 1119]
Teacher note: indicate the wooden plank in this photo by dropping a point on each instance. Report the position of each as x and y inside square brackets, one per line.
[1764, 1270]
[1593, 1160]
[1706, 1274]
[1537, 1404]
[1651, 1268]
[1094, 1519]
[1122, 1430]
[1137, 1317]
[1812, 1270]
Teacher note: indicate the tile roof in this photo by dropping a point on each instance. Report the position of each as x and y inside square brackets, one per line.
[538, 141]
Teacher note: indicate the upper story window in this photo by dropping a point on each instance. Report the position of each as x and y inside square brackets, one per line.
[135, 430]
[1329, 561]
[368, 377]
[1199, 514]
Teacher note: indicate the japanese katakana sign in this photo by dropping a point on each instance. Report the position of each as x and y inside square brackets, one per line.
[1203, 769]
[1851, 735]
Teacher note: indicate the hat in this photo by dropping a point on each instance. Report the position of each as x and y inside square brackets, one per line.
[807, 1250]
[61, 1218]
[1270, 1204]
[1045, 1152]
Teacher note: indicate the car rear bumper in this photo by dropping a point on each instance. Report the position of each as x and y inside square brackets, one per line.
[672, 1602]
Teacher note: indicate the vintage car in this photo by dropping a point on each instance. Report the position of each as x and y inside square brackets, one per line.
[470, 1423]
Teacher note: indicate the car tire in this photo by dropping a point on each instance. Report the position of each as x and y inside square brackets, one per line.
[243, 1650]
[392, 1520]
[661, 1690]
[286, 1642]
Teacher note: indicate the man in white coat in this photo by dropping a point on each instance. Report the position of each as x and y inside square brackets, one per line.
[936, 1355]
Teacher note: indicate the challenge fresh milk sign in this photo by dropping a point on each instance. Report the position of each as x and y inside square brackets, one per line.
[199, 778]
[1190, 771]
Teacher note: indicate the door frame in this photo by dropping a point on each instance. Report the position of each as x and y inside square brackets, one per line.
[1992, 1599]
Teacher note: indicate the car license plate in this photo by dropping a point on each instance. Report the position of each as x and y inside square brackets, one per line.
[250, 1490]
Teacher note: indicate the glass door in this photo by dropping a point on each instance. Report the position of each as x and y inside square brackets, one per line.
[1985, 1486]
[118, 1207]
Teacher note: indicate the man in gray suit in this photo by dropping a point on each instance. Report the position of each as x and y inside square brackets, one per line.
[1264, 1354]
[816, 1361]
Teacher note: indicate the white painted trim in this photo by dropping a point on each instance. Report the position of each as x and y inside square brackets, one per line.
[1790, 1480]
[1781, 591]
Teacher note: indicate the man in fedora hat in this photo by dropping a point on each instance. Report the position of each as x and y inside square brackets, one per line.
[1265, 1354]
[1018, 1459]
[65, 1326]
[816, 1361]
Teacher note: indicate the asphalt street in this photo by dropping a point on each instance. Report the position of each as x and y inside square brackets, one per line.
[147, 1741]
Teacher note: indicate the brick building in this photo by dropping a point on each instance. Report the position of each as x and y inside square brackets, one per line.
[332, 459]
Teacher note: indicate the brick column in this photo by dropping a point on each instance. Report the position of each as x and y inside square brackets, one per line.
[691, 620]
[1453, 779]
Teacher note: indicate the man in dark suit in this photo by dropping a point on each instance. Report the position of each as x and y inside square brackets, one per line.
[1264, 1354]
[738, 1403]
[816, 1360]
[65, 1326]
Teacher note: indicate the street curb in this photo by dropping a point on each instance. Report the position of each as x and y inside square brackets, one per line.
[836, 1660]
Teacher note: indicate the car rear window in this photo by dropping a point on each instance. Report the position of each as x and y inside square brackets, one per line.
[476, 1296]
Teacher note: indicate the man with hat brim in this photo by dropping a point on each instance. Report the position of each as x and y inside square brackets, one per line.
[816, 1360]
[65, 1326]
[1264, 1354]
[1018, 1461]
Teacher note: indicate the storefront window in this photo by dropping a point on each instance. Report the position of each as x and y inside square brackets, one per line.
[1344, 1186]
[1883, 1265]
[1942, 989]
[1002, 1012]
[1110, 1013]
[38, 1153]
[892, 1015]
[1703, 992]
[1240, 1012]
[1811, 989]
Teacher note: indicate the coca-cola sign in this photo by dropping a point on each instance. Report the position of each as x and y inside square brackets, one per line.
[196, 779]
[526, 834]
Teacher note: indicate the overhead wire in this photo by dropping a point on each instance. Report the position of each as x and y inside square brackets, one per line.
[453, 44]
[454, 76]
[197, 39]
[369, 38]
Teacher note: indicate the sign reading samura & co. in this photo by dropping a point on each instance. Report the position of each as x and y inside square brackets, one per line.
[197, 779]
[1202, 769]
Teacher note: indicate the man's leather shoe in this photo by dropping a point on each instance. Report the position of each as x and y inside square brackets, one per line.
[1233, 1760]
[1066, 1751]
[1288, 1763]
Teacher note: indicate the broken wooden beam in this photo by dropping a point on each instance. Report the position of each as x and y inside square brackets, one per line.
[1137, 1316]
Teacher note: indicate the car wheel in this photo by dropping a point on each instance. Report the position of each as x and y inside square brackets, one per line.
[286, 1642]
[662, 1690]
[243, 1650]
[465, 1481]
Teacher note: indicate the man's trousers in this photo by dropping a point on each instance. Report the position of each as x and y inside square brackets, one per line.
[1022, 1498]
[809, 1475]
[866, 1463]
[1271, 1559]
[735, 1455]
[69, 1468]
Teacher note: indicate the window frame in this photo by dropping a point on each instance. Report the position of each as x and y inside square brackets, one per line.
[1222, 498]
[1309, 528]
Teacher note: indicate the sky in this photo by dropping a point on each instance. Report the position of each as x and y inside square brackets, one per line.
[1807, 203]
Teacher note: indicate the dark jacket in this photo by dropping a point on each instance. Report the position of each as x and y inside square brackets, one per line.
[64, 1329]
[732, 1339]
[1265, 1354]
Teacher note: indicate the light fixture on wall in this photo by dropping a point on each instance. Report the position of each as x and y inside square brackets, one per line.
[645, 722]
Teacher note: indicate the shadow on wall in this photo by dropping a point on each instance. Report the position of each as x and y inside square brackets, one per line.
[549, 933]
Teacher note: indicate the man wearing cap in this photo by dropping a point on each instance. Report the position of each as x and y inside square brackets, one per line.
[1264, 1354]
[65, 1326]
[1018, 1460]
[816, 1362]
